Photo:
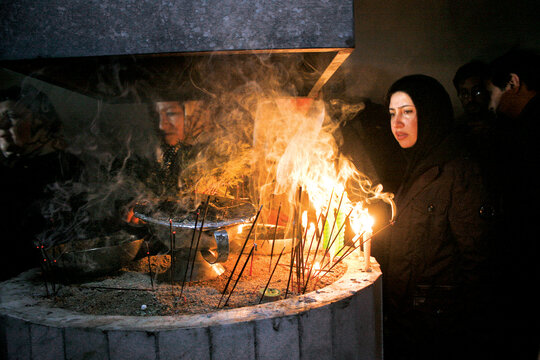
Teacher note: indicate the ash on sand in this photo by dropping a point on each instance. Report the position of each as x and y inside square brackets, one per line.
[129, 292]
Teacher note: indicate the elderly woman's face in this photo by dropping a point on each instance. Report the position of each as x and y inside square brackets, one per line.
[15, 127]
[171, 121]
[403, 119]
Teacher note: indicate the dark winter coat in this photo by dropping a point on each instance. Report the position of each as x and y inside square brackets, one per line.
[435, 274]
[438, 243]
[518, 246]
[434, 258]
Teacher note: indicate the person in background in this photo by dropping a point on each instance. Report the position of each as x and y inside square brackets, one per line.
[435, 259]
[477, 124]
[163, 177]
[469, 82]
[514, 81]
[32, 159]
[174, 152]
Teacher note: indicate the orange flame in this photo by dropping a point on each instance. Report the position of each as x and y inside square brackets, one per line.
[293, 145]
[298, 149]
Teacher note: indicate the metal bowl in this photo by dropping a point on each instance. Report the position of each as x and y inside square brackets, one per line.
[179, 215]
[94, 257]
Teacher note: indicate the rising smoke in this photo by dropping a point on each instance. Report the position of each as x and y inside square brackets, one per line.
[258, 138]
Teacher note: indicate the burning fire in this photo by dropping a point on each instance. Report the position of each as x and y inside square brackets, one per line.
[280, 153]
[297, 148]
[286, 149]
[284, 144]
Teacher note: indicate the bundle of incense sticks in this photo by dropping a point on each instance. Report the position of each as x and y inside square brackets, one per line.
[318, 243]
[295, 243]
[239, 256]
[353, 248]
[239, 275]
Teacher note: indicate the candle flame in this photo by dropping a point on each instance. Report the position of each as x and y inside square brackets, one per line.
[360, 220]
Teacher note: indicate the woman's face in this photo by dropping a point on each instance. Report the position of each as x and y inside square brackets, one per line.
[403, 119]
[171, 121]
[15, 127]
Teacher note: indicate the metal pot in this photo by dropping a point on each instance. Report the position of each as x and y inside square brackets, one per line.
[211, 240]
[94, 257]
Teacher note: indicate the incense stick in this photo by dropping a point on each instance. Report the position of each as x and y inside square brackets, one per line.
[239, 255]
[311, 268]
[321, 232]
[327, 250]
[251, 263]
[319, 240]
[199, 237]
[295, 244]
[312, 239]
[172, 254]
[343, 256]
[300, 251]
[189, 253]
[291, 264]
[149, 266]
[337, 234]
[303, 240]
[43, 271]
[239, 276]
[173, 262]
[272, 274]
[253, 257]
[46, 267]
[360, 243]
[265, 221]
[274, 241]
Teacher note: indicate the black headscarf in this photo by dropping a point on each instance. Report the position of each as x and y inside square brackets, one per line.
[435, 121]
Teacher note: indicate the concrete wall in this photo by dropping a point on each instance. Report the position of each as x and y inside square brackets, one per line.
[74, 28]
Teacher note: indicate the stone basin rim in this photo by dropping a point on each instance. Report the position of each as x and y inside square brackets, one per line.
[353, 281]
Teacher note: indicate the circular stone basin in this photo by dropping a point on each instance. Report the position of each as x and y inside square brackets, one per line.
[340, 321]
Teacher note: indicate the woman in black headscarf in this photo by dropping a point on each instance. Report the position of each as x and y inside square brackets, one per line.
[435, 255]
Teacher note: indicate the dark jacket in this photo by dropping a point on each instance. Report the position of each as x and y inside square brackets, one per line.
[518, 247]
[435, 272]
[439, 238]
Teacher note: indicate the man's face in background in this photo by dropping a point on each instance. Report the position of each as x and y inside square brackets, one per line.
[473, 95]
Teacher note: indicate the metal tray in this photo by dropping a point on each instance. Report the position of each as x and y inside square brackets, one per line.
[181, 213]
